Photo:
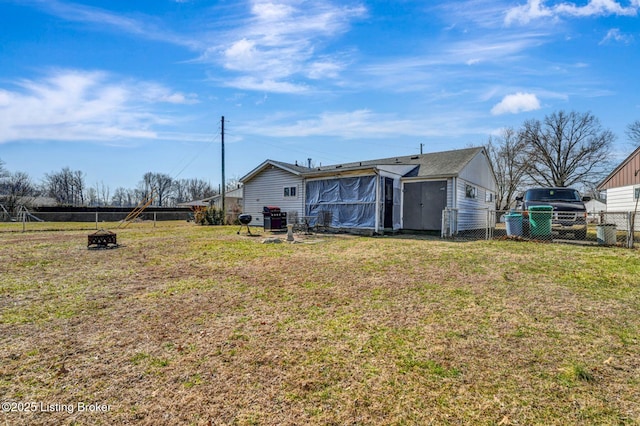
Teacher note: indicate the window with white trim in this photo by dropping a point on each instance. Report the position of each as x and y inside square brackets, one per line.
[489, 197]
[470, 191]
[290, 191]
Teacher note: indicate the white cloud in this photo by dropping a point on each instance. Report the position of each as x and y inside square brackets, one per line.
[362, 124]
[266, 85]
[83, 106]
[536, 9]
[615, 35]
[519, 102]
[323, 69]
[102, 19]
[283, 40]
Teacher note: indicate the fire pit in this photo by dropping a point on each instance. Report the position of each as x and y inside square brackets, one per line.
[102, 239]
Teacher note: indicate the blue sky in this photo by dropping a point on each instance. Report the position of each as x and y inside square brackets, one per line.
[120, 88]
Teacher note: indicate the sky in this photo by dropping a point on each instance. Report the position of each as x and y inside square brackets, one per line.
[116, 89]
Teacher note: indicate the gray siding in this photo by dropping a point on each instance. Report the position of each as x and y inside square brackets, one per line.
[267, 189]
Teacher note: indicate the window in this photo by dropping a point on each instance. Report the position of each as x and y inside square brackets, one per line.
[489, 197]
[471, 191]
[290, 191]
[636, 192]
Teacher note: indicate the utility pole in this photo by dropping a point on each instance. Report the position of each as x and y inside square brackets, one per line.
[224, 212]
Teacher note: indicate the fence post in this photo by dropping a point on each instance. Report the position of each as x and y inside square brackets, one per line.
[154, 219]
[96, 219]
[631, 229]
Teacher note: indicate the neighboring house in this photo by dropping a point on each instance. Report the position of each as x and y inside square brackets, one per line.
[232, 204]
[408, 192]
[623, 185]
[594, 207]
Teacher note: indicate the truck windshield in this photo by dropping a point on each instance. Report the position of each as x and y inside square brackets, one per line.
[552, 194]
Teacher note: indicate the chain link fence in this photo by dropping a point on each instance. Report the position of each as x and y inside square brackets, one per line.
[26, 220]
[605, 228]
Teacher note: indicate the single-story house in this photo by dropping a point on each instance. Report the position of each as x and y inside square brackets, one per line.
[408, 192]
[232, 203]
[622, 186]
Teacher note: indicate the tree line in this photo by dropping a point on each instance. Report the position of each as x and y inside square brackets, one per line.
[69, 188]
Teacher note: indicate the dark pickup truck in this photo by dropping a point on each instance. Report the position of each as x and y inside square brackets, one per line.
[569, 212]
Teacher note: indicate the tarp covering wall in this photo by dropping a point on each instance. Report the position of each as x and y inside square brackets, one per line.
[350, 201]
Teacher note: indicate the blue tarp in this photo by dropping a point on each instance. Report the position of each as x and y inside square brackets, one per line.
[350, 201]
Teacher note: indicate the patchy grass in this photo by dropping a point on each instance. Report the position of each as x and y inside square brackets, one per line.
[198, 325]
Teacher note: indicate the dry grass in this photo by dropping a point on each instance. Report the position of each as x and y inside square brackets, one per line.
[198, 325]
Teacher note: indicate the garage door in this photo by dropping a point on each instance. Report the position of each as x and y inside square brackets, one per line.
[423, 205]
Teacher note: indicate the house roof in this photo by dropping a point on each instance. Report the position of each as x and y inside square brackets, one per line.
[196, 203]
[234, 193]
[291, 168]
[625, 174]
[436, 164]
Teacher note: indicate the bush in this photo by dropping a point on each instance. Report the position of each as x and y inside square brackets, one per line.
[209, 216]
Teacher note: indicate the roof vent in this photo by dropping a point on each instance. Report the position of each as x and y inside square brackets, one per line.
[415, 157]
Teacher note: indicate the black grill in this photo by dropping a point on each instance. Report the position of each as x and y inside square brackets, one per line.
[245, 220]
[274, 219]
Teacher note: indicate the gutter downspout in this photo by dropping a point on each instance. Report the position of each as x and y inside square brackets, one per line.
[454, 192]
[454, 207]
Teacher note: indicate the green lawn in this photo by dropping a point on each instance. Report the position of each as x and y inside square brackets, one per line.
[198, 325]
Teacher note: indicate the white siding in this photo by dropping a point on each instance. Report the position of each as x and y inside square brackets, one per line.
[267, 189]
[478, 172]
[621, 199]
[472, 212]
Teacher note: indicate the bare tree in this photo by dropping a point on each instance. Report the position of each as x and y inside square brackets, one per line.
[566, 149]
[162, 183]
[159, 184]
[78, 188]
[102, 193]
[15, 187]
[121, 197]
[92, 197]
[180, 191]
[633, 132]
[233, 183]
[66, 187]
[199, 189]
[507, 156]
[3, 172]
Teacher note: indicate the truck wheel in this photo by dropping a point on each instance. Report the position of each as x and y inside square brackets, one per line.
[581, 235]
